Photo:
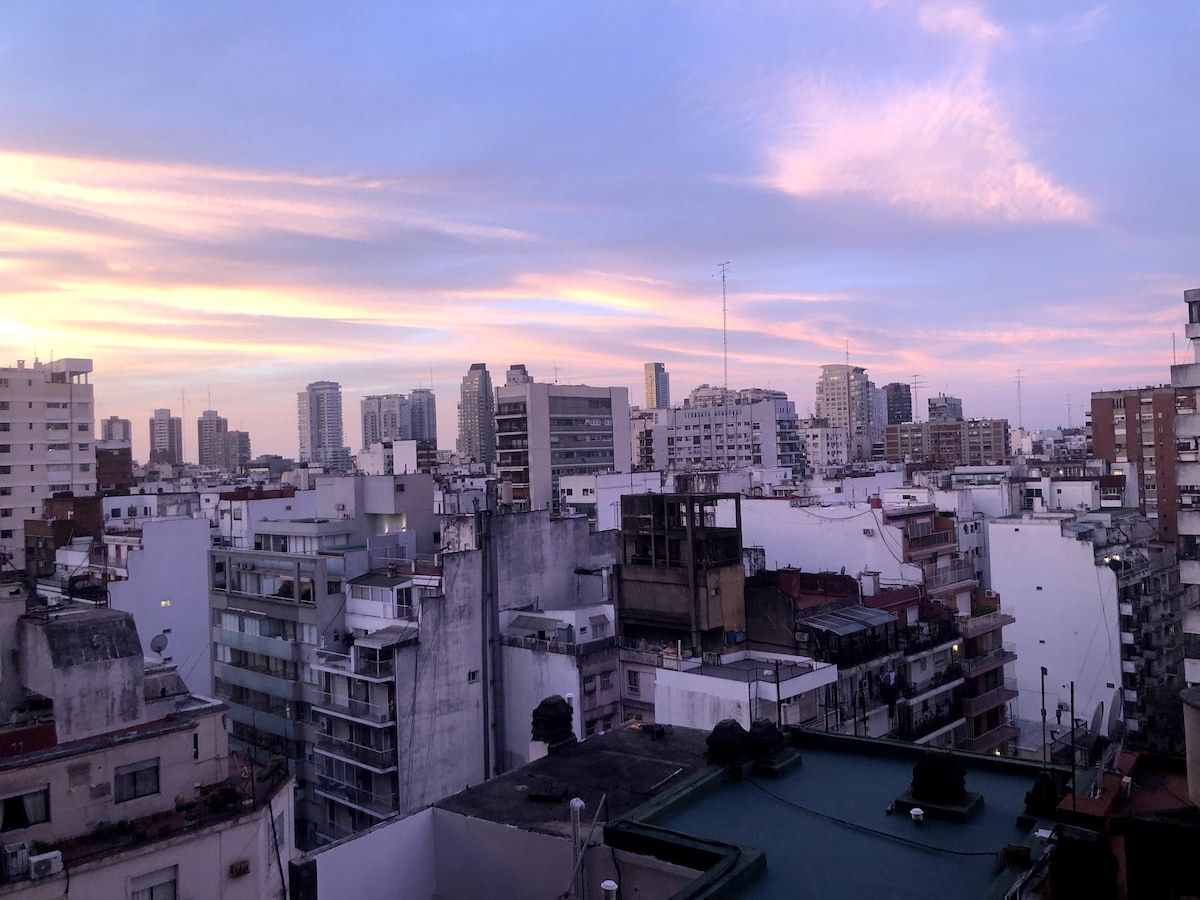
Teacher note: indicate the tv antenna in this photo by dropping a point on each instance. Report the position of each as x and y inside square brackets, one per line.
[1020, 416]
[916, 384]
[724, 267]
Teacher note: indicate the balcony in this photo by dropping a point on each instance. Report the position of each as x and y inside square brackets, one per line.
[378, 759]
[340, 704]
[988, 661]
[974, 706]
[381, 804]
[277, 648]
[362, 667]
[930, 541]
[974, 626]
[568, 648]
[924, 726]
[258, 679]
[990, 740]
[960, 571]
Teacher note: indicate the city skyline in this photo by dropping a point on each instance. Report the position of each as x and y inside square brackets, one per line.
[231, 204]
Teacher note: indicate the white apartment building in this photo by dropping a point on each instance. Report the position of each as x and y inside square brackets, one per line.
[824, 445]
[545, 431]
[47, 420]
[115, 428]
[1186, 381]
[845, 397]
[736, 435]
[319, 422]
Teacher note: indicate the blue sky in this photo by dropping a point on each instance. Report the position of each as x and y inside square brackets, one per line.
[231, 200]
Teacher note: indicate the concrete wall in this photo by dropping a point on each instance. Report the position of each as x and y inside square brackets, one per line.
[537, 557]
[438, 704]
[1066, 611]
[397, 858]
[530, 676]
[825, 538]
[167, 590]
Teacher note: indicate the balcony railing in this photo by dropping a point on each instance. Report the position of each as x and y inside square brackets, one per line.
[974, 706]
[974, 626]
[992, 739]
[934, 539]
[378, 713]
[926, 725]
[988, 661]
[384, 803]
[366, 668]
[568, 648]
[958, 571]
[380, 758]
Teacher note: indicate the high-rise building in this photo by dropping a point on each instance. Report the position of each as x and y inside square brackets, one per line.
[1134, 431]
[844, 398]
[517, 374]
[945, 409]
[545, 431]
[899, 403]
[319, 419]
[477, 416]
[166, 438]
[1185, 485]
[210, 441]
[46, 445]
[235, 451]
[658, 386]
[385, 417]
[422, 405]
[116, 429]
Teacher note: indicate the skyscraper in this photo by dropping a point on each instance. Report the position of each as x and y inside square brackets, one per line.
[210, 442]
[658, 386]
[477, 416]
[899, 403]
[319, 420]
[422, 406]
[844, 399]
[166, 438]
[385, 417]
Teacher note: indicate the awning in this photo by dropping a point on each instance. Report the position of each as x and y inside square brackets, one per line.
[599, 620]
[534, 623]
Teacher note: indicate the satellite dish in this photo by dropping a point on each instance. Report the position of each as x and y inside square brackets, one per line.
[1097, 720]
[158, 643]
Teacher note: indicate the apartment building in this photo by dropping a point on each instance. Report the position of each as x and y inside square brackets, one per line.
[477, 417]
[117, 782]
[166, 438]
[658, 386]
[747, 431]
[115, 428]
[545, 431]
[47, 419]
[1185, 380]
[319, 423]
[845, 397]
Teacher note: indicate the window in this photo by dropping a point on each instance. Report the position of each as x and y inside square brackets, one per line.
[5, 448]
[633, 681]
[5, 513]
[6, 533]
[589, 684]
[83, 426]
[605, 680]
[160, 885]
[472, 676]
[23, 810]
[85, 467]
[135, 780]
[5, 470]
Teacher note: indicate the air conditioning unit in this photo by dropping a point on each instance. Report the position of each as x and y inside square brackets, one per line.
[45, 864]
[868, 532]
[991, 594]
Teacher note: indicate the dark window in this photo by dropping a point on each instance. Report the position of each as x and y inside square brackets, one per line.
[23, 810]
[135, 780]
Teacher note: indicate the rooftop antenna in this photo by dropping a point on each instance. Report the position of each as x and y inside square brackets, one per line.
[1068, 410]
[724, 267]
[1020, 415]
[916, 384]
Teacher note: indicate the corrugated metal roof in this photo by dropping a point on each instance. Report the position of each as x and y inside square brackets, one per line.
[534, 623]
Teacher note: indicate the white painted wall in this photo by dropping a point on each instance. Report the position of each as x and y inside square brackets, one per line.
[399, 855]
[171, 568]
[825, 538]
[530, 676]
[1066, 611]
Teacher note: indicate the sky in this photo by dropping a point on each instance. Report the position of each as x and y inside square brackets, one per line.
[220, 203]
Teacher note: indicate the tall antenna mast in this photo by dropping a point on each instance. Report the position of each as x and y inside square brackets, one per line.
[724, 267]
[914, 397]
[1068, 410]
[1020, 415]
